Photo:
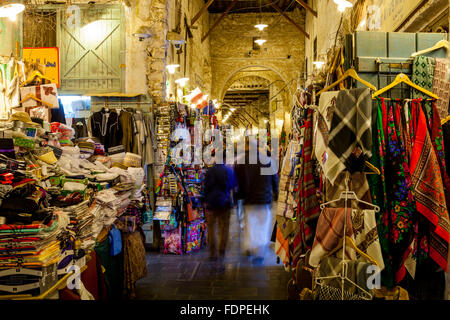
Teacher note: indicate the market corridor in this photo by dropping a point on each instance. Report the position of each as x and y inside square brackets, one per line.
[192, 276]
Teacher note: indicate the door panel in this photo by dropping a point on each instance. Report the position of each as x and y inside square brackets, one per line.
[91, 53]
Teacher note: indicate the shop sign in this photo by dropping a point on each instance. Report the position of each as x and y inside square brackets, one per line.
[48, 56]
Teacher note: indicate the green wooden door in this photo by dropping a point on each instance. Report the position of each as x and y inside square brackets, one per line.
[92, 52]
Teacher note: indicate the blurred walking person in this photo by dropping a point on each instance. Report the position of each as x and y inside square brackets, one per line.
[257, 189]
[219, 184]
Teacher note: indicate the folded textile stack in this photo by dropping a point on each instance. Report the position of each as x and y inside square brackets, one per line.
[80, 225]
[107, 206]
[32, 245]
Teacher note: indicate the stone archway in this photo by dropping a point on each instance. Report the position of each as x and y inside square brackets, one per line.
[221, 86]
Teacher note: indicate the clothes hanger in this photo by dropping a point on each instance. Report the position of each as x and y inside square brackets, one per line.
[32, 96]
[440, 44]
[350, 243]
[35, 74]
[343, 274]
[372, 168]
[349, 73]
[349, 195]
[403, 78]
[445, 120]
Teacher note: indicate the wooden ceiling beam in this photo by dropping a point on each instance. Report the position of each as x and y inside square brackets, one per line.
[290, 20]
[201, 12]
[305, 5]
[220, 19]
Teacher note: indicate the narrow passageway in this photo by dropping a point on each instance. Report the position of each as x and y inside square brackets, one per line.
[193, 276]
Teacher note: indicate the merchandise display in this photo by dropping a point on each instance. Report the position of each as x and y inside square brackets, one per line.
[366, 186]
[62, 191]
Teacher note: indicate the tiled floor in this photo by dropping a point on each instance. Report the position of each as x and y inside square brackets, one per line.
[192, 276]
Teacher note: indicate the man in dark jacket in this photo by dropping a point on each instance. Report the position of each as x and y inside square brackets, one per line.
[219, 183]
[257, 186]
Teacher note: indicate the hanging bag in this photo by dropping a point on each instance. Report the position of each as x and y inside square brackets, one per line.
[115, 241]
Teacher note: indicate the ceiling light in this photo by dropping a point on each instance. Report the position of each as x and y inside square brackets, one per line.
[232, 109]
[182, 81]
[260, 41]
[261, 26]
[318, 64]
[362, 24]
[10, 9]
[172, 67]
[343, 4]
[265, 120]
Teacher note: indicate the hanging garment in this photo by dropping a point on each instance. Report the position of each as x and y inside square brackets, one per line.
[351, 129]
[429, 190]
[327, 159]
[106, 127]
[446, 137]
[141, 134]
[378, 192]
[441, 87]
[308, 207]
[57, 114]
[135, 263]
[80, 128]
[357, 183]
[329, 233]
[285, 228]
[331, 289]
[361, 228]
[437, 139]
[400, 204]
[149, 139]
[423, 75]
[129, 131]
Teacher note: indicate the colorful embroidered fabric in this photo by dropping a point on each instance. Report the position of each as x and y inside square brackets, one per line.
[308, 207]
[400, 202]
[429, 189]
[441, 87]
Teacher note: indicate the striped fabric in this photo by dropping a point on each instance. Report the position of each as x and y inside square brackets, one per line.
[308, 207]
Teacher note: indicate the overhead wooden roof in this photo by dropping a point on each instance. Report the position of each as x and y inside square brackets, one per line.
[245, 6]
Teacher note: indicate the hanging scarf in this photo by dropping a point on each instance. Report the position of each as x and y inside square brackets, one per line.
[400, 204]
[422, 75]
[308, 207]
[329, 162]
[437, 139]
[378, 193]
[351, 127]
[428, 186]
[441, 87]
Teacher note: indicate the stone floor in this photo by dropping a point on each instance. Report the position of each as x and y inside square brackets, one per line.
[193, 277]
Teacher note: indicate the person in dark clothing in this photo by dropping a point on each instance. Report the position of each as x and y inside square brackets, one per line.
[219, 183]
[257, 187]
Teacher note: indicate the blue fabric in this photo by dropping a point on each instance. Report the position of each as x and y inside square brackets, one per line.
[219, 182]
[209, 109]
[115, 241]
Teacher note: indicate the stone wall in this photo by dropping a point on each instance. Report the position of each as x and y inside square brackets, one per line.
[195, 60]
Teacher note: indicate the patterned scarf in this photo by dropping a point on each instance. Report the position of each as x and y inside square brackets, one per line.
[400, 204]
[308, 207]
[330, 163]
[351, 127]
[441, 87]
[422, 75]
[429, 189]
